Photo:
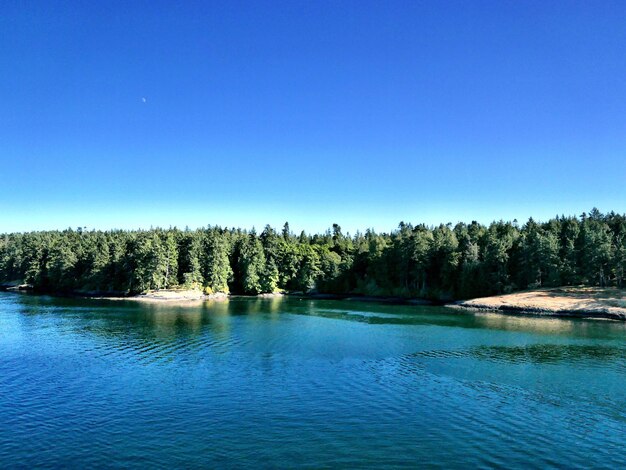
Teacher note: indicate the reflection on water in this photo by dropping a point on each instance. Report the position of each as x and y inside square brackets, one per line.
[284, 382]
[547, 325]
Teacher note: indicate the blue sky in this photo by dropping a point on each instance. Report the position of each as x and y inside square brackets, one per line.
[138, 114]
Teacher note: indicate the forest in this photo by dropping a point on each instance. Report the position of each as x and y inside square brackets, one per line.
[442, 262]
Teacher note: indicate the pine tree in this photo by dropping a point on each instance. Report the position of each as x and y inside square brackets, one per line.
[251, 264]
[217, 272]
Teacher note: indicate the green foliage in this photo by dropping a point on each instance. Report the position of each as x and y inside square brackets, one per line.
[269, 277]
[189, 255]
[538, 249]
[418, 261]
[250, 265]
[309, 269]
[568, 253]
[597, 249]
[216, 268]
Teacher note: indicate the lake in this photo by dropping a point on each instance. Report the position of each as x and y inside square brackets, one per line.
[297, 382]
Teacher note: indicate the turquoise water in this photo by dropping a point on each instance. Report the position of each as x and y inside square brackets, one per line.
[283, 383]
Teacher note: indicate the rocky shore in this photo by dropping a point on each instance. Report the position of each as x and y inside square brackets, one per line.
[580, 302]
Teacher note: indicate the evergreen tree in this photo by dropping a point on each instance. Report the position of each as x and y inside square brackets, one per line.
[597, 249]
[467, 261]
[568, 252]
[444, 260]
[250, 264]
[189, 254]
[216, 269]
[309, 269]
[269, 277]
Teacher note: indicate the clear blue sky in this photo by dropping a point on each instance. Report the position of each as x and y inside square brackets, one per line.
[131, 114]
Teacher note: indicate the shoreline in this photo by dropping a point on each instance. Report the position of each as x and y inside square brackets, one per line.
[160, 296]
[165, 297]
[191, 295]
[168, 295]
[564, 302]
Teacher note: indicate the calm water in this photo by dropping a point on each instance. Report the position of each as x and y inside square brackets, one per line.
[278, 383]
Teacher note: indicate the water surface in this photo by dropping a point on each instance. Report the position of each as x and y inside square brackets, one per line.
[286, 382]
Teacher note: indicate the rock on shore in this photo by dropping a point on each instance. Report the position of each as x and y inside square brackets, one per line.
[583, 302]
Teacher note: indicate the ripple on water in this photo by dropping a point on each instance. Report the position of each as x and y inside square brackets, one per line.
[288, 384]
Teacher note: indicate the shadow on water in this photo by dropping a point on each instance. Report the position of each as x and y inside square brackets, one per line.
[534, 353]
[185, 318]
[551, 353]
[380, 314]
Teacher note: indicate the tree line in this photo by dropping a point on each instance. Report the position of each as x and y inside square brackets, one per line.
[438, 262]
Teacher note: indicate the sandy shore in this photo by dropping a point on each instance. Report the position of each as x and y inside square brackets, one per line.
[181, 296]
[583, 302]
[173, 296]
[169, 296]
